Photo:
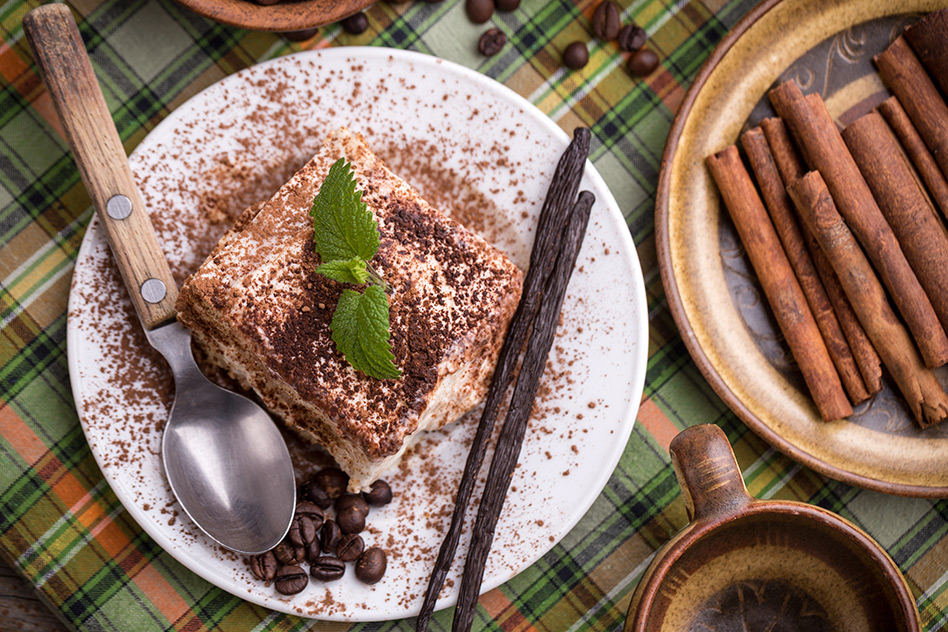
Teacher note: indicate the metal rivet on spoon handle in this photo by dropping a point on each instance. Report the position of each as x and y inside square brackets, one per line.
[226, 460]
[118, 207]
[154, 291]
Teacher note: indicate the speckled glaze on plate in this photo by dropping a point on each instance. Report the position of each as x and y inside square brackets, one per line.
[712, 292]
[283, 16]
[474, 149]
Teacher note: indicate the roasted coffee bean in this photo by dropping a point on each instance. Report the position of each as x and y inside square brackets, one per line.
[288, 553]
[266, 3]
[302, 530]
[333, 480]
[329, 536]
[576, 55]
[327, 568]
[355, 23]
[379, 494]
[350, 547]
[301, 35]
[311, 491]
[491, 42]
[632, 37]
[311, 511]
[506, 5]
[352, 500]
[643, 62]
[350, 520]
[479, 11]
[313, 550]
[605, 21]
[290, 580]
[264, 566]
[371, 565]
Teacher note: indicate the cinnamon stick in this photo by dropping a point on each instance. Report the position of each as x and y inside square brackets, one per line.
[918, 384]
[813, 128]
[929, 40]
[791, 169]
[788, 229]
[511, 435]
[785, 152]
[781, 287]
[904, 204]
[551, 223]
[867, 359]
[906, 77]
[895, 115]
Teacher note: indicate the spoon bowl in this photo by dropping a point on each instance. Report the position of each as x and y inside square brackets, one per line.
[225, 459]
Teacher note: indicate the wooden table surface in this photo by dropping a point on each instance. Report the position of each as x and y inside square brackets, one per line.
[20, 605]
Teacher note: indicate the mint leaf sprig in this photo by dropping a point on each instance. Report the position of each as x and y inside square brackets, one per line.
[346, 237]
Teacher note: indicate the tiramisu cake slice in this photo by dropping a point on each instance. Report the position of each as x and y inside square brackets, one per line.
[260, 311]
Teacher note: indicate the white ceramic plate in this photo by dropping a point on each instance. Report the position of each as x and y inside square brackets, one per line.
[475, 149]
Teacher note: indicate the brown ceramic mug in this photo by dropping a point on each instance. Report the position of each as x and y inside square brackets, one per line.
[748, 564]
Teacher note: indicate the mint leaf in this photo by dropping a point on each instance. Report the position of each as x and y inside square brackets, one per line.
[360, 329]
[350, 271]
[344, 227]
[346, 236]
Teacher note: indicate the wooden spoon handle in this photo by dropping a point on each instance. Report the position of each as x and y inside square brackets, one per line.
[98, 152]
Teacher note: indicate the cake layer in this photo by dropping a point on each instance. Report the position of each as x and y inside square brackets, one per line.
[259, 310]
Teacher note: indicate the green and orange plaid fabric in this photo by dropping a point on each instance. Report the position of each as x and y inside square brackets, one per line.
[60, 524]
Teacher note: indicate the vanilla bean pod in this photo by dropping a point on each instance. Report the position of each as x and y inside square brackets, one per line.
[507, 452]
[553, 217]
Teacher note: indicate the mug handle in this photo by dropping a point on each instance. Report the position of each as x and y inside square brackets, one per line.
[708, 473]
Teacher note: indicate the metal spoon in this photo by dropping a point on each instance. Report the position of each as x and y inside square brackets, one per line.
[225, 459]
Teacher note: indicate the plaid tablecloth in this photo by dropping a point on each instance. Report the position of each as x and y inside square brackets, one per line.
[61, 525]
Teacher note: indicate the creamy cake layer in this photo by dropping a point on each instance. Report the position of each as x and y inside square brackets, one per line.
[260, 311]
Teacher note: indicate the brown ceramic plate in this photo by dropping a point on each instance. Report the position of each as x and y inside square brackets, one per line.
[289, 15]
[712, 292]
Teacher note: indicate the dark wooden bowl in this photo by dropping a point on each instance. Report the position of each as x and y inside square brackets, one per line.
[283, 16]
[747, 564]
